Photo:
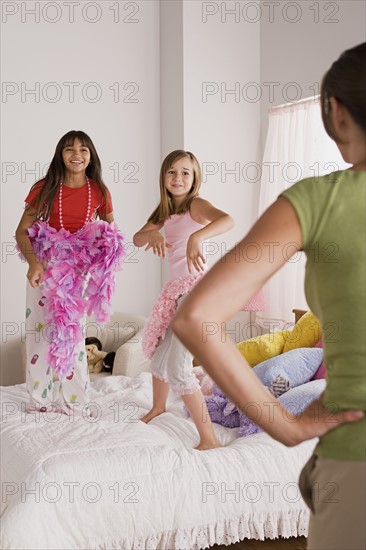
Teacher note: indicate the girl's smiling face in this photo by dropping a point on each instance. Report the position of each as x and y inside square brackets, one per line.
[76, 157]
[179, 179]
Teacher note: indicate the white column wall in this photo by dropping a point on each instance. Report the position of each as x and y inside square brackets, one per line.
[221, 126]
[115, 65]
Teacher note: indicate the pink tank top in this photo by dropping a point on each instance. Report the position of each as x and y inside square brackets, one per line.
[177, 230]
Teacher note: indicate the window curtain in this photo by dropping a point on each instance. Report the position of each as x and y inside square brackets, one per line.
[297, 147]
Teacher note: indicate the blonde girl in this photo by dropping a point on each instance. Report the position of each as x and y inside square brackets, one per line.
[178, 227]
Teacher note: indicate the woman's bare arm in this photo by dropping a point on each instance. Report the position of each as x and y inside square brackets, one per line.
[200, 324]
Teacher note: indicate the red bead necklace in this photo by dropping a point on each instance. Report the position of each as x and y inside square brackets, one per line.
[88, 207]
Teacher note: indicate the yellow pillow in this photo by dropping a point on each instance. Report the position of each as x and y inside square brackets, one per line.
[263, 347]
[305, 334]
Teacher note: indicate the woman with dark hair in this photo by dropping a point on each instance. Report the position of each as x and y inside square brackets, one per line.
[322, 215]
[63, 243]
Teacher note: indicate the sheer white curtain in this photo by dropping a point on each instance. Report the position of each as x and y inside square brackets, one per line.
[297, 147]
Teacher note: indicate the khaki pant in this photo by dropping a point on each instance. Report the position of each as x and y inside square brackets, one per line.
[334, 490]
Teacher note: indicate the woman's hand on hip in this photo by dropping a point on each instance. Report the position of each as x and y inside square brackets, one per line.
[317, 420]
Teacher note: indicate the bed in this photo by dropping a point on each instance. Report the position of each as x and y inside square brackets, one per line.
[114, 482]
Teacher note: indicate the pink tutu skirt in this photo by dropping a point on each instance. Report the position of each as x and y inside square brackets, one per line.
[164, 310]
[166, 306]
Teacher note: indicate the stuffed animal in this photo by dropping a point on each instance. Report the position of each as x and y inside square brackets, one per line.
[204, 379]
[98, 360]
[287, 376]
[224, 412]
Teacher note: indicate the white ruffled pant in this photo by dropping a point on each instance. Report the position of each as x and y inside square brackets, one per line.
[172, 362]
[71, 395]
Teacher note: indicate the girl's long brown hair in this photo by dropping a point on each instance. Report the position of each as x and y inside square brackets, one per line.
[56, 173]
[346, 82]
[166, 206]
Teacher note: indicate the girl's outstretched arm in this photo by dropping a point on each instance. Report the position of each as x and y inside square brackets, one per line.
[200, 324]
[215, 222]
[35, 272]
[150, 236]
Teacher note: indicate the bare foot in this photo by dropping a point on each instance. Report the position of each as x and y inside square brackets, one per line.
[206, 445]
[150, 415]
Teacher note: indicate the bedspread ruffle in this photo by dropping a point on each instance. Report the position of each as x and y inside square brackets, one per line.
[78, 280]
[223, 531]
[164, 310]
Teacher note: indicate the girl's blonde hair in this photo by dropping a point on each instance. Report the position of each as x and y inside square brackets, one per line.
[166, 206]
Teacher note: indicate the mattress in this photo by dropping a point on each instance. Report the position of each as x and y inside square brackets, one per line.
[115, 482]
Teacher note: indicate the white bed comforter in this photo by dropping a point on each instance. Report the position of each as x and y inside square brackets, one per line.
[117, 483]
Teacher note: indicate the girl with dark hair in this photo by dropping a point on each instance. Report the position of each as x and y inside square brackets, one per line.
[64, 245]
[187, 221]
[75, 160]
[326, 217]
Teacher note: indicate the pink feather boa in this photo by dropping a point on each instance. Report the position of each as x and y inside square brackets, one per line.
[96, 250]
[164, 310]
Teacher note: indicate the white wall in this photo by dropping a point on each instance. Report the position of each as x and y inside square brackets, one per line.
[299, 42]
[118, 48]
[221, 128]
[231, 45]
[171, 77]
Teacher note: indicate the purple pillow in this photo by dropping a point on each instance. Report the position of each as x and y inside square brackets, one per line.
[295, 401]
[321, 372]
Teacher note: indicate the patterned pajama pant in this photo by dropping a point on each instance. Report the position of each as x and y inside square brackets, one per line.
[70, 395]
